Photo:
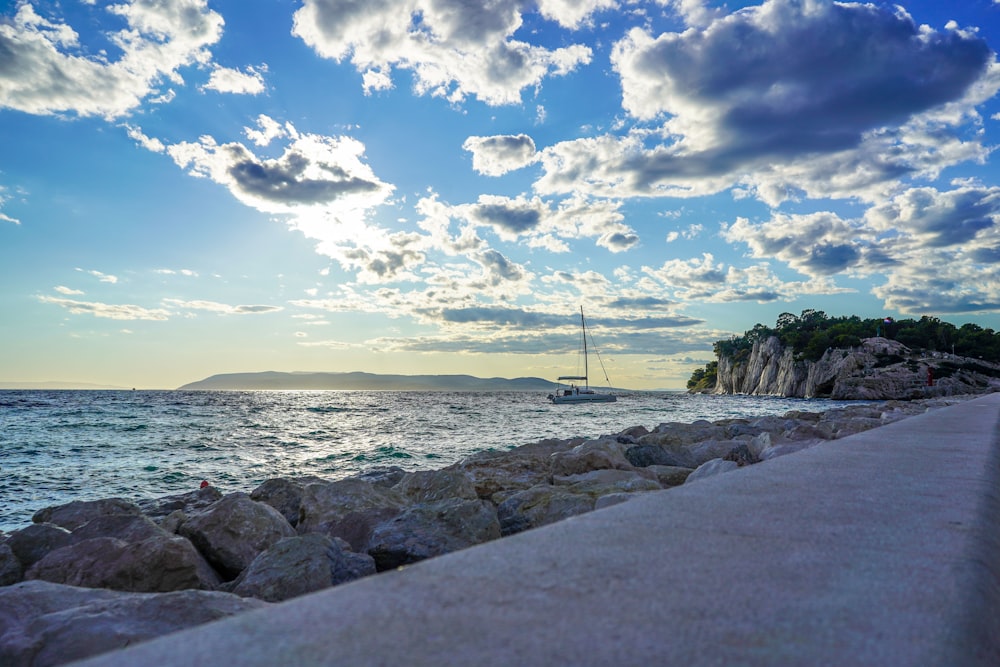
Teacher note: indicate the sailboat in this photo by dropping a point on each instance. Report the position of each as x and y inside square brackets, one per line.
[580, 394]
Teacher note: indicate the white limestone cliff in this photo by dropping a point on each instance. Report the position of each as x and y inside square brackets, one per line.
[877, 369]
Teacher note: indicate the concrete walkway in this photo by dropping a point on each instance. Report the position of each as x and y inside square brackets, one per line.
[878, 549]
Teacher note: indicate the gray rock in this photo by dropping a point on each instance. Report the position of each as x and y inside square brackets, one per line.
[742, 456]
[125, 527]
[642, 456]
[285, 495]
[425, 486]
[192, 501]
[669, 476]
[591, 455]
[73, 515]
[302, 564]
[432, 529]
[30, 544]
[676, 435]
[710, 468]
[349, 509]
[387, 476]
[44, 624]
[11, 570]
[494, 472]
[158, 564]
[233, 531]
[540, 505]
[597, 483]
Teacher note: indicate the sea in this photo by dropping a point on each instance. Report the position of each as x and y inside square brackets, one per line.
[60, 446]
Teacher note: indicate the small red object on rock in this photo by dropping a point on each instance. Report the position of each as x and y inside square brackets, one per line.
[204, 483]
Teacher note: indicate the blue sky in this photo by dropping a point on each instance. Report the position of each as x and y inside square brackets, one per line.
[191, 187]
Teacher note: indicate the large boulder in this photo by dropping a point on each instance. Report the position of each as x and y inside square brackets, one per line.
[540, 505]
[285, 494]
[44, 624]
[302, 564]
[591, 455]
[73, 515]
[672, 435]
[125, 527]
[597, 483]
[31, 543]
[349, 509]
[494, 472]
[642, 456]
[711, 468]
[192, 501]
[433, 529]
[11, 569]
[158, 564]
[233, 531]
[669, 476]
[425, 486]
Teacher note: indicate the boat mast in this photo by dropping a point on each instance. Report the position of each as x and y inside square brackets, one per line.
[586, 369]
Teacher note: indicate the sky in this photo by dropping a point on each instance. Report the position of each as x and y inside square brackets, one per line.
[193, 187]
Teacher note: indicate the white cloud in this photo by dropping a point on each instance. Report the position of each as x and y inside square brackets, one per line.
[786, 98]
[103, 277]
[571, 13]
[149, 143]
[712, 281]
[4, 198]
[223, 308]
[454, 48]
[816, 244]
[225, 80]
[495, 156]
[313, 172]
[109, 311]
[62, 289]
[270, 130]
[45, 75]
[937, 252]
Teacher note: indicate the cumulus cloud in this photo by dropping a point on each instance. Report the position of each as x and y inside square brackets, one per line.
[453, 48]
[940, 218]
[782, 97]
[935, 251]
[817, 244]
[47, 71]
[225, 80]
[541, 223]
[151, 144]
[269, 130]
[705, 279]
[313, 170]
[497, 155]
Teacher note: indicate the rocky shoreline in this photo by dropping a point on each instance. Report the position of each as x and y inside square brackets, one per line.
[89, 577]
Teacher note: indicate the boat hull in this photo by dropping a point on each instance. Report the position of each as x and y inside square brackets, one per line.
[584, 398]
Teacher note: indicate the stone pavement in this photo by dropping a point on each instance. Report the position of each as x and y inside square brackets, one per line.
[878, 549]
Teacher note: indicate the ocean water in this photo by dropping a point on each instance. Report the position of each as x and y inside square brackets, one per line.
[59, 446]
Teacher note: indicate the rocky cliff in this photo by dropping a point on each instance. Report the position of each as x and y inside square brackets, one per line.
[878, 369]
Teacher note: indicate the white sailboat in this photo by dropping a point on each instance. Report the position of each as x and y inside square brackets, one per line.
[582, 393]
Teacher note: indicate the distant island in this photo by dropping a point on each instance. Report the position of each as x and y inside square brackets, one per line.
[358, 381]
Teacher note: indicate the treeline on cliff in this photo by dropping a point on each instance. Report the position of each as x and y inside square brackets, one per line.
[812, 332]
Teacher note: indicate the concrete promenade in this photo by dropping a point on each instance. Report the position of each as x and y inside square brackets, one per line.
[878, 549]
